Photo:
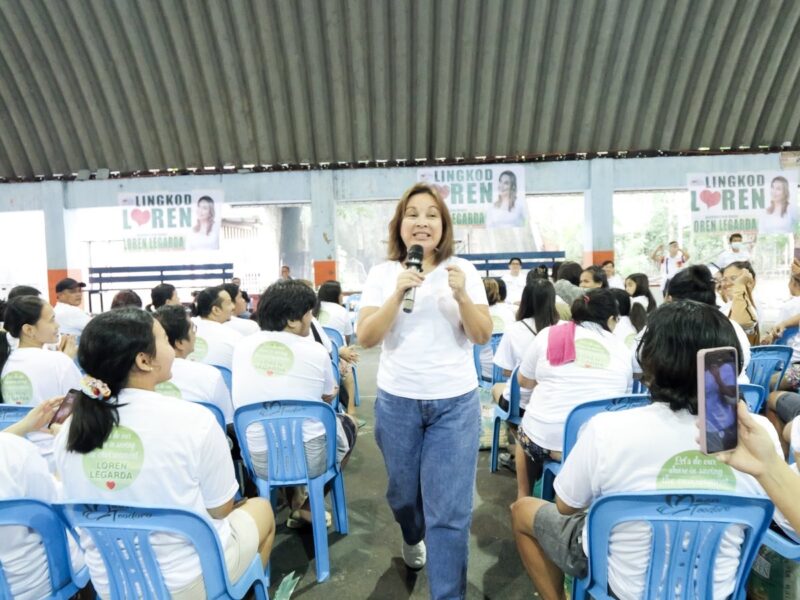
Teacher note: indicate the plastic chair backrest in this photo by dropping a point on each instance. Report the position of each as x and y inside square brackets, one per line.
[581, 414]
[687, 527]
[335, 336]
[493, 343]
[122, 537]
[753, 395]
[44, 520]
[765, 361]
[227, 377]
[282, 423]
[11, 413]
[513, 401]
[639, 387]
[218, 415]
[787, 335]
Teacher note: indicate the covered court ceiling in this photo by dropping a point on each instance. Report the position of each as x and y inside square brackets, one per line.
[149, 85]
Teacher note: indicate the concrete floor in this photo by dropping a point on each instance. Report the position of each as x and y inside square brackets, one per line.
[367, 564]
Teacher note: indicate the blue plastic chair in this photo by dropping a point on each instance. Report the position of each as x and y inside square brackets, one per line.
[497, 372]
[218, 415]
[639, 387]
[282, 423]
[335, 336]
[122, 536]
[753, 395]
[787, 335]
[688, 565]
[787, 548]
[44, 520]
[509, 416]
[336, 372]
[11, 413]
[576, 419]
[227, 377]
[766, 361]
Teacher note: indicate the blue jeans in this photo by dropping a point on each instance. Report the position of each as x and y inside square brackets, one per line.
[430, 448]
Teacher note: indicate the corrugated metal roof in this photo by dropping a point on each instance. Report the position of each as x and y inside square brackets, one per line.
[152, 85]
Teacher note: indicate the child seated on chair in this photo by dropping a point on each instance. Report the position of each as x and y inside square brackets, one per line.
[648, 448]
[282, 363]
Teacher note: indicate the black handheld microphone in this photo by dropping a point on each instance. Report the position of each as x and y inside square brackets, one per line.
[413, 261]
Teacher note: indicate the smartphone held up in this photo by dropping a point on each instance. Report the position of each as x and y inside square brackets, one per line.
[717, 397]
[65, 410]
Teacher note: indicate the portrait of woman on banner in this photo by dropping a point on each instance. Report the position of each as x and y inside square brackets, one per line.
[779, 216]
[204, 234]
[508, 208]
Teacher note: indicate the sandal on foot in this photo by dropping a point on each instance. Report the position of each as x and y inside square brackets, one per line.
[296, 520]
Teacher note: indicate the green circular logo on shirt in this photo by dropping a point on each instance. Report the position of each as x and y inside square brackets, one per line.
[117, 464]
[695, 471]
[273, 359]
[591, 354]
[498, 325]
[17, 388]
[200, 349]
[630, 340]
[324, 317]
[167, 388]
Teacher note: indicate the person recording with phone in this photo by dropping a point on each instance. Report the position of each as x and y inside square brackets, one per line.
[427, 307]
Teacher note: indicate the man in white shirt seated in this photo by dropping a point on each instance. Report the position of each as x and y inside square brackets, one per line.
[243, 325]
[738, 252]
[69, 315]
[614, 279]
[191, 380]
[642, 449]
[213, 308]
[514, 280]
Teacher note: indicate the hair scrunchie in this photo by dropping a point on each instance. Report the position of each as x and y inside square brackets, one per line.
[94, 388]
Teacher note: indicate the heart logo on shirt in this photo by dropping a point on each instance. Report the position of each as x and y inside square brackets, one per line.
[710, 198]
[140, 216]
[110, 485]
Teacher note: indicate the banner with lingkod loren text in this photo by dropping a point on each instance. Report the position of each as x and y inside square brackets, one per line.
[171, 221]
[763, 201]
[490, 196]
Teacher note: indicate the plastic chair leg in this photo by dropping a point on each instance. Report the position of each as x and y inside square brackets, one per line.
[495, 444]
[356, 393]
[339, 505]
[317, 500]
[579, 589]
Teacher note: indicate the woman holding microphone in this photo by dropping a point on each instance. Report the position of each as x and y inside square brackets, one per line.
[427, 413]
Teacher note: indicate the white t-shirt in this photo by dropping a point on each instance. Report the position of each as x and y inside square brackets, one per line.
[503, 316]
[24, 474]
[625, 332]
[601, 369]
[326, 341]
[729, 256]
[788, 309]
[33, 375]
[646, 449]
[198, 382]
[426, 354]
[775, 223]
[278, 365]
[514, 286]
[243, 326]
[214, 343]
[70, 319]
[669, 265]
[336, 317]
[164, 451]
[510, 351]
[502, 217]
[615, 281]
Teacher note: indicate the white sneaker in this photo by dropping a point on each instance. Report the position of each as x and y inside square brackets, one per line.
[414, 556]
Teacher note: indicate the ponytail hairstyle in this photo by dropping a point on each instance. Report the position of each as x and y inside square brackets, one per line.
[159, 295]
[595, 306]
[538, 301]
[110, 343]
[206, 300]
[20, 310]
[492, 290]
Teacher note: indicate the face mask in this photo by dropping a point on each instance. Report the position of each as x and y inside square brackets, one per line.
[736, 245]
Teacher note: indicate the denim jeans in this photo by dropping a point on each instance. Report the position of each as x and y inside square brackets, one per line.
[430, 448]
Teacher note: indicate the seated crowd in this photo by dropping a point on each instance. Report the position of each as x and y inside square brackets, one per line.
[587, 334]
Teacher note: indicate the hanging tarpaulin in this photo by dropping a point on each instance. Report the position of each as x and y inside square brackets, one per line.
[489, 196]
[171, 220]
[763, 201]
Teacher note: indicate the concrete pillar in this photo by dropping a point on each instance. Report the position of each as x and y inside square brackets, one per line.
[323, 226]
[598, 210]
[55, 238]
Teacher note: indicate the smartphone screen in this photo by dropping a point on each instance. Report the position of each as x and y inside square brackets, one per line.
[65, 410]
[717, 397]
